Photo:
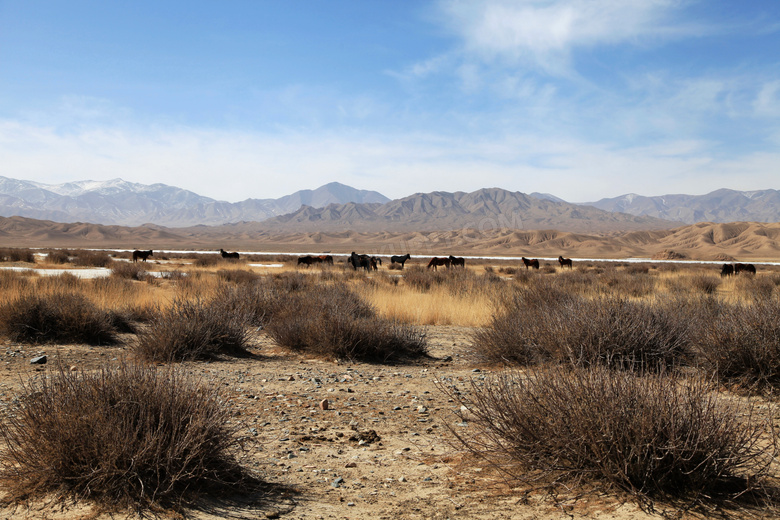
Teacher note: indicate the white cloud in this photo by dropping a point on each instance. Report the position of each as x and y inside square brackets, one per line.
[544, 32]
[233, 166]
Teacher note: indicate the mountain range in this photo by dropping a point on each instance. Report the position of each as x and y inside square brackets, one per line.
[335, 207]
[130, 204]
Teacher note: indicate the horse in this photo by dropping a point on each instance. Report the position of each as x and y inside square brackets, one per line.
[727, 270]
[748, 268]
[375, 260]
[436, 262]
[325, 259]
[308, 260]
[564, 262]
[361, 261]
[225, 254]
[534, 263]
[400, 259]
[143, 255]
[457, 261]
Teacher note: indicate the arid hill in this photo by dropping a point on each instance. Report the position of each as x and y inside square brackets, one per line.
[483, 209]
[703, 241]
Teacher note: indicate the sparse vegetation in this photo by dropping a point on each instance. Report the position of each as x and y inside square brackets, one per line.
[129, 436]
[335, 323]
[654, 436]
[59, 317]
[193, 329]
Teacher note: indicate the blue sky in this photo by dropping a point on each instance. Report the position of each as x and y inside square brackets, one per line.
[583, 99]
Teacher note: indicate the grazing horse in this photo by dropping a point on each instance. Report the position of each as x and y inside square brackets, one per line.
[360, 261]
[747, 268]
[225, 254]
[534, 263]
[308, 260]
[564, 262]
[374, 261]
[400, 259]
[436, 262]
[325, 259]
[457, 261]
[727, 270]
[143, 255]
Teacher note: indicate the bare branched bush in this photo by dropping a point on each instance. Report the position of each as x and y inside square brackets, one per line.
[17, 255]
[193, 329]
[238, 276]
[59, 317]
[751, 287]
[544, 323]
[58, 256]
[654, 436]
[92, 258]
[129, 436]
[740, 343]
[207, 260]
[334, 323]
[128, 271]
[61, 282]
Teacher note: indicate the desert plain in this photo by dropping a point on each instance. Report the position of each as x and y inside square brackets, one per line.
[337, 438]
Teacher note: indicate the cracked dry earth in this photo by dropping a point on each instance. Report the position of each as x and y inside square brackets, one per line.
[381, 450]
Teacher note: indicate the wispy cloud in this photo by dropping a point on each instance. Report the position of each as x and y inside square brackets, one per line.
[545, 32]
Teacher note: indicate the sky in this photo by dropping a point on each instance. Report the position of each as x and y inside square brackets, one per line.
[582, 99]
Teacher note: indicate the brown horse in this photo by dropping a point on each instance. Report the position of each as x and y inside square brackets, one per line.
[143, 255]
[534, 263]
[227, 255]
[326, 259]
[436, 262]
[457, 261]
[564, 262]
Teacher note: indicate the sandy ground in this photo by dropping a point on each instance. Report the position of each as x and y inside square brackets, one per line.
[381, 450]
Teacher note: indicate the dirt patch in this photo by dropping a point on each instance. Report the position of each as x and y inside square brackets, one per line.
[381, 449]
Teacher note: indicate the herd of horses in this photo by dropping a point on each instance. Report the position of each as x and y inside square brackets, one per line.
[371, 263]
[733, 269]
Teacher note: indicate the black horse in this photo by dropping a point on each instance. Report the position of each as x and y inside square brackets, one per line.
[744, 268]
[726, 270]
[400, 259]
[143, 255]
[457, 261]
[225, 254]
[361, 261]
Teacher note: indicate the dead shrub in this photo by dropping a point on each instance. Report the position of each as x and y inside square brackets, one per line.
[752, 287]
[654, 436]
[92, 259]
[334, 323]
[191, 330]
[740, 343]
[58, 256]
[61, 282]
[58, 317]
[207, 260]
[238, 276]
[128, 271]
[130, 436]
[17, 255]
[544, 323]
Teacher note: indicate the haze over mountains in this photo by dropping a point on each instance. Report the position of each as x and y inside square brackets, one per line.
[336, 207]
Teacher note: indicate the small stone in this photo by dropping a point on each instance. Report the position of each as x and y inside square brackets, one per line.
[74, 368]
[337, 483]
[40, 360]
[350, 465]
[324, 404]
[402, 479]
[291, 378]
